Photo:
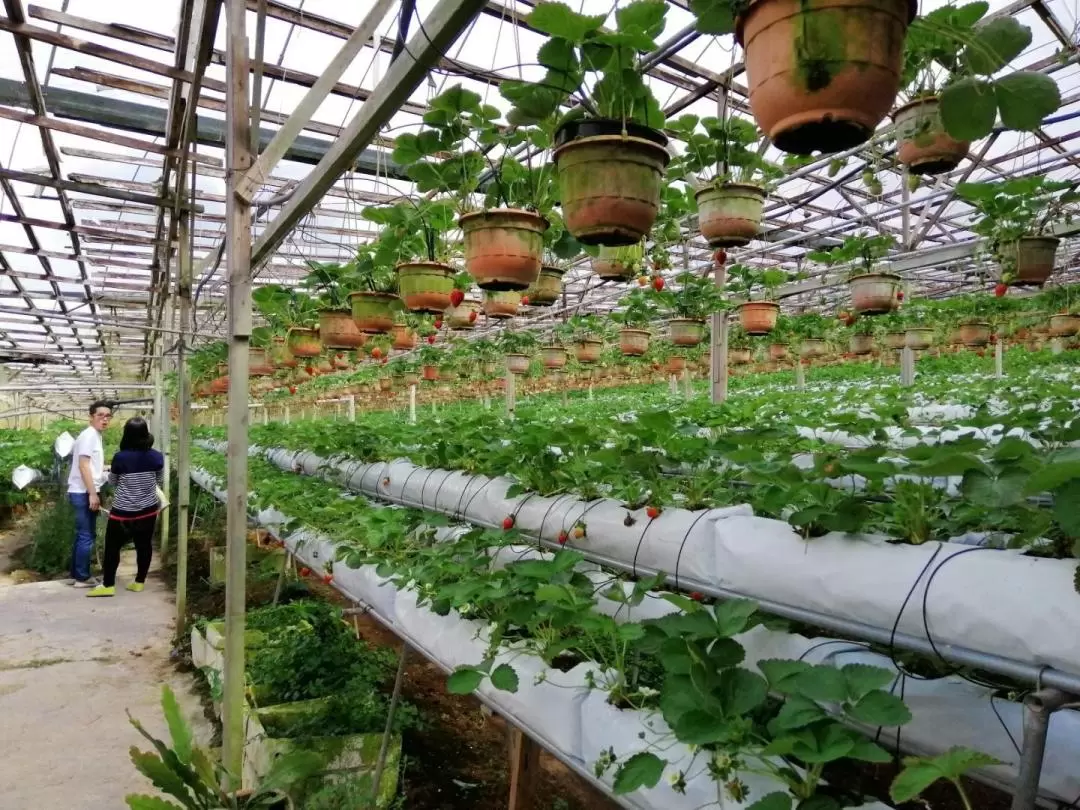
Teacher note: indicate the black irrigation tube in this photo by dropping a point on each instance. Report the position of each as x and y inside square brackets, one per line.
[1040, 676]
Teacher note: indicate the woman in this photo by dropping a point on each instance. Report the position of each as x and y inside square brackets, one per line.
[135, 474]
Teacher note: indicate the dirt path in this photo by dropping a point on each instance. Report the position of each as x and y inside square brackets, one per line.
[69, 668]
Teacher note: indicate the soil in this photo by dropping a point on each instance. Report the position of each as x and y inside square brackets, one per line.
[874, 780]
[15, 531]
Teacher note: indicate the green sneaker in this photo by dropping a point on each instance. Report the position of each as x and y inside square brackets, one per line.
[137, 587]
[101, 590]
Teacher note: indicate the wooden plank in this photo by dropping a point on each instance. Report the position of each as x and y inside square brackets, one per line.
[84, 188]
[82, 230]
[524, 771]
[82, 131]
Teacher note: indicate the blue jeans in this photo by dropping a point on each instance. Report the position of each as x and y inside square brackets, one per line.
[85, 532]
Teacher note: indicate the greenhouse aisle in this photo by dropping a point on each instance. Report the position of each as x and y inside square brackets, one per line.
[70, 668]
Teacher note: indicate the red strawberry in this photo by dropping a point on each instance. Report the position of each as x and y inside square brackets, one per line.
[328, 578]
[697, 596]
[579, 531]
[655, 366]
[384, 360]
[653, 512]
[899, 295]
[472, 317]
[720, 257]
[376, 353]
[658, 283]
[508, 523]
[431, 339]
[642, 280]
[292, 389]
[305, 572]
[386, 481]
[456, 297]
[309, 369]
[1000, 290]
[438, 323]
[563, 537]
[524, 299]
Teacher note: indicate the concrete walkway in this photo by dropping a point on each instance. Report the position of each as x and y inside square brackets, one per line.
[69, 668]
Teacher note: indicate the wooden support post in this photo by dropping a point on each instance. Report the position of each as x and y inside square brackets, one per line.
[673, 385]
[183, 427]
[999, 358]
[907, 367]
[524, 771]
[412, 404]
[238, 262]
[800, 374]
[352, 407]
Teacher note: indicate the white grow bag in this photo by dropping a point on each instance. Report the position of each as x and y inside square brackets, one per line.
[23, 476]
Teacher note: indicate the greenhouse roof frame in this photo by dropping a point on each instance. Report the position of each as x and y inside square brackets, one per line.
[88, 250]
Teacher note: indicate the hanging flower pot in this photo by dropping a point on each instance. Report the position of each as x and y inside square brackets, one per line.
[411, 378]
[324, 365]
[304, 342]
[553, 356]
[729, 214]
[431, 373]
[811, 348]
[373, 312]
[925, 146]
[861, 344]
[547, 288]
[895, 340]
[220, 384]
[874, 293]
[501, 305]
[341, 361]
[517, 363]
[487, 368]
[404, 337]
[975, 334]
[338, 330]
[822, 75]
[778, 351]
[634, 342]
[425, 286]
[258, 365]
[738, 357]
[503, 247]
[464, 315]
[588, 350]
[618, 263]
[918, 338]
[1031, 259]
[1064, 325]
[758, 317]
[610, 176]
[385, 384]
[675, 364]
[280, 354]
[686, 331]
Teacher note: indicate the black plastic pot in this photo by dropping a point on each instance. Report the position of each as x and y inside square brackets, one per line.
[591, 127]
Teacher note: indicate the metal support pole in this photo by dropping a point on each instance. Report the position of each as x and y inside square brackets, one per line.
[673, 385]
[352, 407]
[718, 345]
[999, 359]
[511, 385]
[238, 262]
[686, 383]
[907, 366]
[412, 404]
[286, 414]
[800, 375]
[183, 428]
[1038, 707]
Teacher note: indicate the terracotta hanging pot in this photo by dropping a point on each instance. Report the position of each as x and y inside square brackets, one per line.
[778, 351]
[918, 338]
[501, 305]
[464, 315]
[861, 344]
[425, 286]
[547, 288]
[729, 214]
[503, 247]
[517, 363]
[341, 361]
[895, 340]
[634, 342]
[618, 264]
[686, 331]
[925, 147]
[373, 312]
[874, 293]
[609, 176]
[411, 378]
[304, 342]
[675, 364]
[280, 354]
[385, 384]
[974, 334]
[758, 317]
[431, 373]
[738, 357]
[588, 350]
[553, 356]
[1064, 325]
[404, 337]
[338, 330]
[811, 347]
[822, 75]
[258, 364]
[1031, 258]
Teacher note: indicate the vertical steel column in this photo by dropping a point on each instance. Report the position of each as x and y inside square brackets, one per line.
[238, 265]
[183, 427]
[1038, 707]
[718, 345]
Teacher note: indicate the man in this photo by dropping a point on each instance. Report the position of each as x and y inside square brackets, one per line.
[87, 476]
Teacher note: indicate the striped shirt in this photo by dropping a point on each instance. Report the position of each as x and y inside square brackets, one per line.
[136, 474]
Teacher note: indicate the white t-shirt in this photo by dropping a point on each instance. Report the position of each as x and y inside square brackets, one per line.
[88, 444]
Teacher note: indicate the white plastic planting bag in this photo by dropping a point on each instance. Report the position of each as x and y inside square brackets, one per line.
[64, 444]
[23, 476]
[365, 586]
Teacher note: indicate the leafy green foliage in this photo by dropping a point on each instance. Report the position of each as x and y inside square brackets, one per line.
[920, 773]
[721, 150]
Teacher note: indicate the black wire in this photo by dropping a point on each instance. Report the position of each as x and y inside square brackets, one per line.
[408, 7]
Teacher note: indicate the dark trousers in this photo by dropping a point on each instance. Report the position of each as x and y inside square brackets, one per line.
[118, 533]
